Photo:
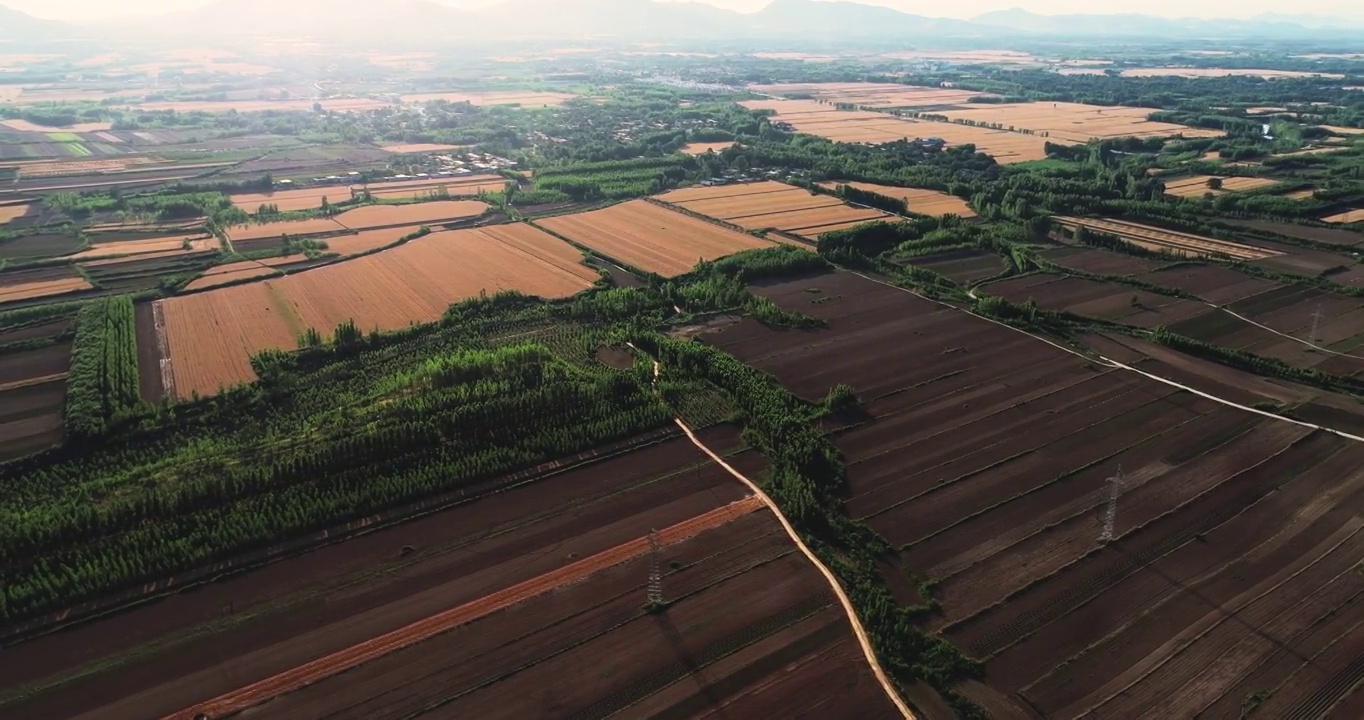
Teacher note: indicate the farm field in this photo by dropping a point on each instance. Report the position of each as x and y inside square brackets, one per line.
[238, 271]
[45, 282]
[1106, 301]
[961, 266]
[1169, 241]
[1204, 73]
[651, 237]
[876, 95]
[420, 148]
[860, 126]
[703, 148]
[1076, 122]
[986, 465]
[267, 231]
[1196, 186]
[787, 647]
[1349, 216]
[311, 198]
[772, 205]
[366, 240]
[329, 104]
[33, 393]
[510, 97]
[923, 202]
[211, 335]
[1099, 262]
[12, 212]
[373, 217]
[26, 126]
[39, 245]
[163, 245]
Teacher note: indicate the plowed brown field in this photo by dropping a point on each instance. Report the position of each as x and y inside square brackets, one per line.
[417, 632]
[213, 334]
[1234, 539]
[650, 237]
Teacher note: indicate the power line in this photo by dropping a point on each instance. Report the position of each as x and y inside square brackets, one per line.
[655, 587]
[1111, 512]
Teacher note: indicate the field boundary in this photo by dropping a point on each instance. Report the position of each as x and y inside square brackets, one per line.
[421, 630]
[862, 639]
[1123, 366]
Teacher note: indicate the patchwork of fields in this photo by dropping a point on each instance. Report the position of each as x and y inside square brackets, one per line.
[861, 126]
[212, 335]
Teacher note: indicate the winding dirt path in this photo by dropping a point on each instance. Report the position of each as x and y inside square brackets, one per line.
[860, 632]
[322, 668]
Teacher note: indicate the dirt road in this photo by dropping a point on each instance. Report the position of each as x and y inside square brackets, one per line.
[324, 667]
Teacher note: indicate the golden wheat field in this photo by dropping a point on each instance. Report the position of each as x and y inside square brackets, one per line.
[1349, 216]
[861, 126]
[703, 148]
[877, 95]
[213, 334]
[1076, 122]
[772, 206]
[1196, 186]
[650, 237]
[923, 202]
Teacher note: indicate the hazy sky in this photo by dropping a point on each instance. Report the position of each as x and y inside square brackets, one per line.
[89, 9]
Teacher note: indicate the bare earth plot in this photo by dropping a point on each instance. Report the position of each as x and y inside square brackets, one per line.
[213, 334]
[650, 237]
[1235, 538]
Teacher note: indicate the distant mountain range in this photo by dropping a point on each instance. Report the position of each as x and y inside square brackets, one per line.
[646, 19]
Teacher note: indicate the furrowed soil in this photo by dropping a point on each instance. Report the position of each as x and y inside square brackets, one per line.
[990, 459]
[165, 655]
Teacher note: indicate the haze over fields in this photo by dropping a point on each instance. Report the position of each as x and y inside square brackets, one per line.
[721, 17]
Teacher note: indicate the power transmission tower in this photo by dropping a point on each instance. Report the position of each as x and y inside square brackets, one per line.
[1316, 322]
[655, 587]
[1111, 512]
